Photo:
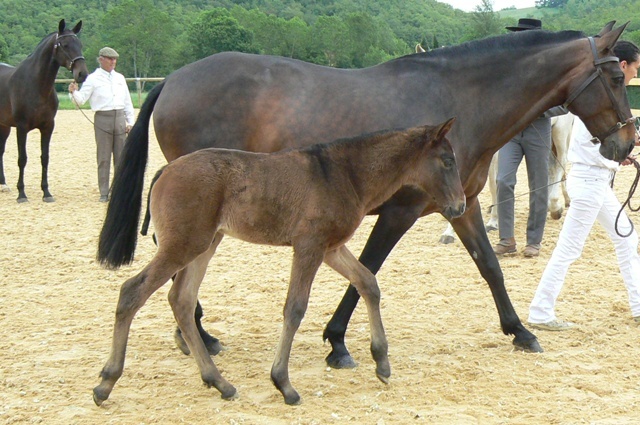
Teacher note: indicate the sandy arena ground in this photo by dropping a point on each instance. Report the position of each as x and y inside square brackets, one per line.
[451, 364]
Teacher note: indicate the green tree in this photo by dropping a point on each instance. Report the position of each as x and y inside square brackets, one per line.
[484, 21]
[141, 54]
[216, 31]
[551, 3]
[329, 37]
[4, 50]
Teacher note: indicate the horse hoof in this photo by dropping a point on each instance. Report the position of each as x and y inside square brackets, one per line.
[180, 342]
[491, 228]
[292, 399]
[97, 399]
[5, 188]
[340, 362]
[230, 394]
[49, 199]
[22, 200]
[531, 346]
[446, 239]
[556, 215]
[213, 345]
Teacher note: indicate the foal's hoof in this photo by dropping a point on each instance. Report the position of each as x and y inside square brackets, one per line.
[49, 199]
[383, 374]
[22, 200]
[292, 399]
[491, 228]
[446, 239]
[213, 345]
[530, 346]
[98, 398]
[230, 394]
[337, 361]
[4, 188]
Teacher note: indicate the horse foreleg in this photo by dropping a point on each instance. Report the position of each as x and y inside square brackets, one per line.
[472, 234]
[4, 135]
[393, 222]
[343, 261]
[183, 298]
[133, 294]
[21, 135]
[45, 142]
[306, 261]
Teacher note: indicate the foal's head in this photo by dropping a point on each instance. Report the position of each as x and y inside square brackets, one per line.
[437, 173]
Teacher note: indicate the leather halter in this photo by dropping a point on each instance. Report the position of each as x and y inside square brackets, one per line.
[70, 61]
[598, 73]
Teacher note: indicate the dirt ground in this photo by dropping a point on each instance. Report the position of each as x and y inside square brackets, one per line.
[451, 364]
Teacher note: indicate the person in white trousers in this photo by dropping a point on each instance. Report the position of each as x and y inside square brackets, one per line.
[592, 199]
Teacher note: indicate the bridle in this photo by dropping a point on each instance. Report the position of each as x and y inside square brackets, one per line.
[598, 73]
[70, 61]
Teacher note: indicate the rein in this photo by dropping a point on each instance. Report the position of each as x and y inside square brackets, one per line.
[632, 191]
[597, 63]
[70, 61]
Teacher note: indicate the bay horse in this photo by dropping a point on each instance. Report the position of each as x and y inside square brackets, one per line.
[312, 199]
[28, 99]
[265, 104]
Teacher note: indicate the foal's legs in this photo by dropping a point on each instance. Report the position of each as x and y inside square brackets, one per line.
[183, 298]
[393, 222]
[343, 261]
[306, 261]
[4, 135]
[133, 294]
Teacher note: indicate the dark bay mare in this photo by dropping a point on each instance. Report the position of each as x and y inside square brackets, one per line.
[312, 199]
[28, 99]
[495, 87]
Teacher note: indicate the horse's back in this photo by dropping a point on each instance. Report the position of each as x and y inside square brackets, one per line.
[267, 103]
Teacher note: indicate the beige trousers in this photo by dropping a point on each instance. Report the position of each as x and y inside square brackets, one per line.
[109, 127]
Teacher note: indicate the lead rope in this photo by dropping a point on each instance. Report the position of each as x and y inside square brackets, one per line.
[77, 105]
[632, 191]
[563, 179]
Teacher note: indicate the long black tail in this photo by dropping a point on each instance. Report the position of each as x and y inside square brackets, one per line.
[118, 237]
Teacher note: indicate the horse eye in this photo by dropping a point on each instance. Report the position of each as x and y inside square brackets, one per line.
[449, 162]
[618, 81]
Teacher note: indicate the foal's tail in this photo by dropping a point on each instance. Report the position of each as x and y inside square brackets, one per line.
[118, 237]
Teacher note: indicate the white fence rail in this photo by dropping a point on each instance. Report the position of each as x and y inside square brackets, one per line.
[138, 82]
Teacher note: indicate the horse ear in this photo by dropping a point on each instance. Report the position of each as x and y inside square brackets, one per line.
[444, 128]
[61, 26]
[608, 40]
[77, 28]
[606, 28]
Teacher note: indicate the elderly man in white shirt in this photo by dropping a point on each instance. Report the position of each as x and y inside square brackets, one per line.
[108, 94]
[592, 199]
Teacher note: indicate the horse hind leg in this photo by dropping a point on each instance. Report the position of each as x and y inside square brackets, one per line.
[183, 299]
[133, 294]
[4, 135]
[343, 261]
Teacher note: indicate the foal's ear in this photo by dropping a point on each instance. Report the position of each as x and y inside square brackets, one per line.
[77, 28]
[444, 128]
[61, 26]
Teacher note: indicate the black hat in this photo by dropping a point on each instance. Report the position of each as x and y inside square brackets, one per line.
[527, 24]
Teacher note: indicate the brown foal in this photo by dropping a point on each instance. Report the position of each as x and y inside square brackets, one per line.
[312, 199]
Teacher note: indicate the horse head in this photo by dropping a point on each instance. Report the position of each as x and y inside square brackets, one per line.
[68, 51]
[598, 95]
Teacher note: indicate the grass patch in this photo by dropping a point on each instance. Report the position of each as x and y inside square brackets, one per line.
[67, 104]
